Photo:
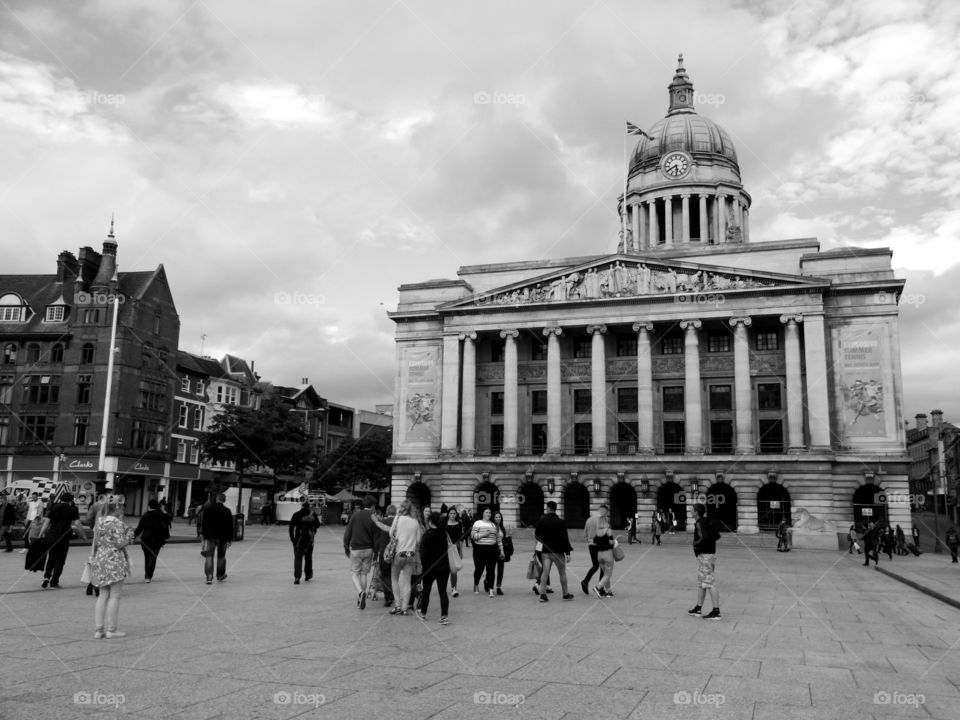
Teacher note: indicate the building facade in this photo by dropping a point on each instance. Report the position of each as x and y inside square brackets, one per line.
[934, 449]
[690, 364]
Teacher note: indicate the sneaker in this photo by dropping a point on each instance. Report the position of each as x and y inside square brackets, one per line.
[568, 596]
[363, 601]
[396, 611]
[476, 590]
[99, 635]
[146, 580]
[608, 594]
[55, 585]
[536, 590]
[307, 578]
[455, 593]
[296, 581]
[695, 610]
[599, 591]
[713, 614]
[583, 586]
[209, 581]
[544, 598]
[115, 634]
[493, 594]
[444, 621]
[22, 552]
[499, 591]
[222, 578]
[403, 612]
[549, 591]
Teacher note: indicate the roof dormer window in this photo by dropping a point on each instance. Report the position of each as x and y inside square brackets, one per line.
[12, 308]
[56, 313]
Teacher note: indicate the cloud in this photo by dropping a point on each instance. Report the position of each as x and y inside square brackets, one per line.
[282, 105]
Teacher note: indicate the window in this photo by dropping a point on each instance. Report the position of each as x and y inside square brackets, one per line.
[86, 354]
[162, 354]
[153, 396]
[83, 389]
[767, 340]
[199, 388]
[673, 436]
[4, 430]
[582, 401]
[626, 345]
[496, 402]
[496, 351]
[538, 350]
[55, 313]
[33, 353]
[721, 436]
[56, 353]
[156, 324]
[183, 417]
[538, 402]
[198, 418]
[581, 348]
[11, 308]
[185, 384]
[9, 354]
[41, 389]
[582, 438]
[672, 345]
[768, 396]
[771, 436]
[146, 435]
[721, 397]
[538, 434]
[6, 389]
[627, 433]
[673, 398]
[718, 342]
[181, 451]
[195, 453]
[37, 429]
[627, 400]
[496, 439]
[226, 395]
[91, 316]
[80, 430]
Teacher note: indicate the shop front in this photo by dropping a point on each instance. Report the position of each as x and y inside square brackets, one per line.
[138, 481]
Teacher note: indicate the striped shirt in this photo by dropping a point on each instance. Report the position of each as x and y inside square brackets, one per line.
[486, 533]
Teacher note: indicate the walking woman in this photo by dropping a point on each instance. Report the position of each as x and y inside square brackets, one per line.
[109, 565]
[153, 531]
[604, 543]
[436, 567]
[507, 549]
[487, 547]
[406, 529]
[455, 533]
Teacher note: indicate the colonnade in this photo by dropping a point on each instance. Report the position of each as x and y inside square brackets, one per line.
[715, 213]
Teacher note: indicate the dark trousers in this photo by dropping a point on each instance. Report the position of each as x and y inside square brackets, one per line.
[953, 552]
[150, 553]
[303, 561]
[8, 537]
[220, 548]
[594, 565]
[56, 558]
[870, 552]
[385, 570]
[440, 577]
[485, 561]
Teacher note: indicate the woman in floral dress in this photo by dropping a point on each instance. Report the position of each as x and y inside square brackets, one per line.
[110, 565]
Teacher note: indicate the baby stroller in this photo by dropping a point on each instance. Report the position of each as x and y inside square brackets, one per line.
[380, 580]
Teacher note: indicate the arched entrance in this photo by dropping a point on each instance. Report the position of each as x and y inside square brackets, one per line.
[576, 505]
[866, 507]
[670, 496]
[721, 502]
[773, 505]
[487, 495]
[623, 505]
[531, 504]
[418, 493]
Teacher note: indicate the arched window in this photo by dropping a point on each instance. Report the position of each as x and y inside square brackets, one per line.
[9, 354]
[33, 353]
[86, 354]
[11, 308]
[56, 353]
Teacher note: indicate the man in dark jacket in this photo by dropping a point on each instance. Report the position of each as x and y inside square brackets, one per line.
[556, 550]
[871, 544]
[705, 548]
[303, 526]
[8, 518]
[358, 541]
[216, 534]
[153, 531]
[62, 520]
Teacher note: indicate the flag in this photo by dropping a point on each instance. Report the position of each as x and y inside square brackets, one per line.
[634, 130]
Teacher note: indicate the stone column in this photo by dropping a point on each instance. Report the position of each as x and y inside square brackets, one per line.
[468, 399]
[635, 218]
[746, 224]
[738, 209]
[643, 241]
[668, 221]
[721, 218]
[654, 237]
[791, 347]
[553, 390]
[449, 395]
[685, 218]
[693, 421]
[644, 387]
[598, 389]
[818, 407]
[704, 229]
[510, 390]
[742, 389]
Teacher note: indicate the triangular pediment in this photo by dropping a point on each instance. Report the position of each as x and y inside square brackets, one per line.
[620, 276]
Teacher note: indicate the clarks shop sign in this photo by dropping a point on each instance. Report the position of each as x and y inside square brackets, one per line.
[139, 467]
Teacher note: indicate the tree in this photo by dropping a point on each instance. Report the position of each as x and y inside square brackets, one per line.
[269, 436]
[363, 461]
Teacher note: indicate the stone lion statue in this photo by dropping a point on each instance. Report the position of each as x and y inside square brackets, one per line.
[811, 523]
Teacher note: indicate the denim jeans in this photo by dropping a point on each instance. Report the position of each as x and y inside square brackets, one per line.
[220, 547]
[400, 575]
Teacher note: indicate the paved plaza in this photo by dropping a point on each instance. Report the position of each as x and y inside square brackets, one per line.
[804, 635]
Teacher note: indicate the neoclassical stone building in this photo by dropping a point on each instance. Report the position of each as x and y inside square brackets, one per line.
[692, 363]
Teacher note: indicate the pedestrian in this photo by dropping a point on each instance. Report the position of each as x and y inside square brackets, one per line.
[632, 530]
[507, 549]
[266, 513]
[887, 541]
[871, 543]
[915, 533]
[95, 510]
[953, 542]
[455, 533]
[901, 542]
[34, 514]
[655, 530]
[466, 519]
[164, 506]
[215, 523]
[8, 518]
[358, 541]
[552, 533]
[589, 534]
[303, 527]
[153, 531]
[487, 547]
[603, 541]
[782, 536]
[379, 545]
[436, 567]
[406, 529]
[852, 535]
[110, 565]
[62, 520]
[671, 521]
[705, 536]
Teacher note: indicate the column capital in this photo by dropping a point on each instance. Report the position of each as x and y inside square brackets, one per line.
[594, 329]
[638, 326]
[690, 324]
[746, 321]
[684, 196]
[511, 333]
[548, 331]
[787, 319]
[468, 335]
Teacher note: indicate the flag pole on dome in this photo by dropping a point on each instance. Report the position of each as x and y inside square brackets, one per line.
[631, 130]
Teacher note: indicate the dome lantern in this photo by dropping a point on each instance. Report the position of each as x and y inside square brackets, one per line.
[681, 91]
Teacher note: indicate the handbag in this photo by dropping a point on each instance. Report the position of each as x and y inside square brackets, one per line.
[390, 551]
[453, 557]
[534, 568]
[86, 577]
[618, 553]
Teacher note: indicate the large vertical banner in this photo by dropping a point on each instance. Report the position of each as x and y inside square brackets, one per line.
[866, 393]
[420, 397]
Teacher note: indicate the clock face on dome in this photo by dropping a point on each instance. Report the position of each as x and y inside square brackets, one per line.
[675, 165]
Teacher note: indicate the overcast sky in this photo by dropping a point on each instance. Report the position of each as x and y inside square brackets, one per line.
[291, 163]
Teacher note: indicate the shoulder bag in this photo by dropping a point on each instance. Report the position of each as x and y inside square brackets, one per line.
[453, 557]
[391, 549]
[618, 554]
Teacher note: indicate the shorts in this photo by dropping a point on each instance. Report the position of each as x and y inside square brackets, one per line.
[361, 561]
[705, 572]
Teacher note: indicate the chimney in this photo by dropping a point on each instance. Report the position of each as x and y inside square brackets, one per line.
[89, 261]
[67, 266]
[304, 381]
[921, 421]
[936, 417]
